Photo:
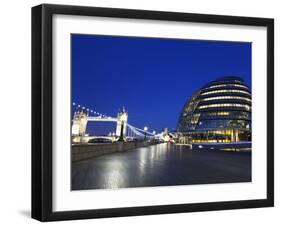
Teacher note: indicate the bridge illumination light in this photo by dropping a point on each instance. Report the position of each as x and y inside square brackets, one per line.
[154, 132]
[79, 105]
[73, 104]
[145, 128]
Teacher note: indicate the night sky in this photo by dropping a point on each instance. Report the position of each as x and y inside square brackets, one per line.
[151, 77]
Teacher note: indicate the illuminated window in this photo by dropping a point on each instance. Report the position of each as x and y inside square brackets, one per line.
[195, 118]
[227, 97]
[216, 113]
[223, 113]
[247, 107]
[226, 91]
[226, 85]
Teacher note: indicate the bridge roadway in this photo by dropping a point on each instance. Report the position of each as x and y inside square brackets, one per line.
[161, 165]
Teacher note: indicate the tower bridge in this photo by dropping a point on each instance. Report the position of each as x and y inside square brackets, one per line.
[124, 131]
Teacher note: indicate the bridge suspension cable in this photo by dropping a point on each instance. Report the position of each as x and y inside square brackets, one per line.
[89, 110]
[140, 131]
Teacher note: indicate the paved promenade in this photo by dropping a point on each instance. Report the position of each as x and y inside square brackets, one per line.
[161, 165]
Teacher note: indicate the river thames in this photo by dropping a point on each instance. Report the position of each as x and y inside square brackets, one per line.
[161, 165]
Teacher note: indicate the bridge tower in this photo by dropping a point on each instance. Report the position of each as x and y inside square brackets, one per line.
[79, 125]
[122, 118]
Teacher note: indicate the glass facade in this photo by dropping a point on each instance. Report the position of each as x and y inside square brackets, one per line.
[218, 112]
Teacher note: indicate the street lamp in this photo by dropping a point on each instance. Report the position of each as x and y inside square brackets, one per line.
[145, 130]
[154, 132]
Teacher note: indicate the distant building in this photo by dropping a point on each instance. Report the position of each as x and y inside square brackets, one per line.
[218, 112]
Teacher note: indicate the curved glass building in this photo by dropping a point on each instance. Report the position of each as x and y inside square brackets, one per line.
[218, 112]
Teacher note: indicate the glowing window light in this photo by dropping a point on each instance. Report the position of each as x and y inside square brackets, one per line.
[223, 113]
[226, 91]
[224, 105]
[226, 85]
[226, 97]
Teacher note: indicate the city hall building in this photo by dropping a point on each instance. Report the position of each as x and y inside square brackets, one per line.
[218, 112]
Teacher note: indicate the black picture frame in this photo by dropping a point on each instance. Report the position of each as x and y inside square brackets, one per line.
[42, 111]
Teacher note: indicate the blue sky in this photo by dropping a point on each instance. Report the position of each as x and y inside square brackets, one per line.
[151, 77]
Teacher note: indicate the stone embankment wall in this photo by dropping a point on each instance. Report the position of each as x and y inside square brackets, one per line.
[87, 151]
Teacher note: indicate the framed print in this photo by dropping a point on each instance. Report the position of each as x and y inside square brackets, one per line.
[146, 112]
